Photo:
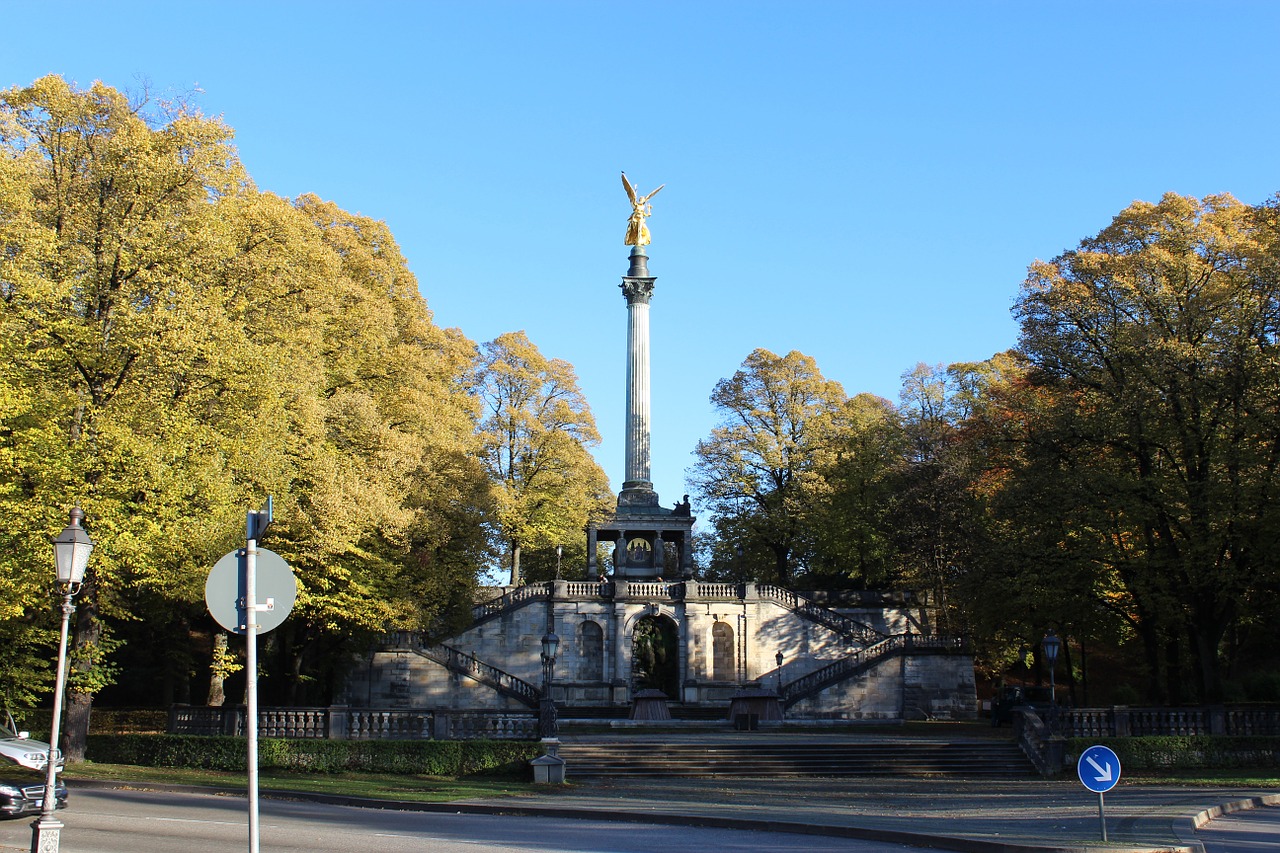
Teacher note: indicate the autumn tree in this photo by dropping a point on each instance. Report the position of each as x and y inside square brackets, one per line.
[858, 467]
[175, 344]
[1156, 344]
[758, 471]
[537, 431]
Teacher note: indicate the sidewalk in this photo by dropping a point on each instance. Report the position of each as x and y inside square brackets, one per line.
[1034, 816]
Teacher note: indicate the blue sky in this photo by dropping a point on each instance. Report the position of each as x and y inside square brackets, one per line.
[863, 182]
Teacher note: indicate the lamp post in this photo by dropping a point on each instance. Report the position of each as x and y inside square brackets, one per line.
[70, 555]
[1050, 645]
[559, 554]
[778, 658]
[547, 725]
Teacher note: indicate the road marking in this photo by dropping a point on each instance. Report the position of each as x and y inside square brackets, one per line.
[197, 820]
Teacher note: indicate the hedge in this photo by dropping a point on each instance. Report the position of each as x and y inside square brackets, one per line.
[1173, 752]
[415, 757]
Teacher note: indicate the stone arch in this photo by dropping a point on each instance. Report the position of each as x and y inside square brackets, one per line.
[724, 664]
[590, 651]
[655, 655]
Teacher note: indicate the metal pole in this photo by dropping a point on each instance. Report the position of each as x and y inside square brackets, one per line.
[46, 831]
[1102, 818]
[251, 663]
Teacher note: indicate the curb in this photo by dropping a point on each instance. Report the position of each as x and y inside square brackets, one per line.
[1185, 828]
[913, 839]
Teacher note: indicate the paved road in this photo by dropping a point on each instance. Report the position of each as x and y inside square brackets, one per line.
[101, 821]
[1250, 831]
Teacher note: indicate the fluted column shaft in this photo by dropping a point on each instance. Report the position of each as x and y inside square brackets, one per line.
[637, 471]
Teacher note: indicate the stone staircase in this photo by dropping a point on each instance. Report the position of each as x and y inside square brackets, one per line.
[995, 759]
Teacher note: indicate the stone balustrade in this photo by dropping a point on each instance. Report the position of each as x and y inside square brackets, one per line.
[342, 723]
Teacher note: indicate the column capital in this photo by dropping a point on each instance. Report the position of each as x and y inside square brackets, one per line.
[637, 289]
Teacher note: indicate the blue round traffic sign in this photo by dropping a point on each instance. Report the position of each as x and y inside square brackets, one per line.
[1099, 769]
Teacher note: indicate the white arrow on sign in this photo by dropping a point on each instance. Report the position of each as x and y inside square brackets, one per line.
[1104, 773]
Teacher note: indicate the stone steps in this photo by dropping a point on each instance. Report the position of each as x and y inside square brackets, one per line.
[1000, 759]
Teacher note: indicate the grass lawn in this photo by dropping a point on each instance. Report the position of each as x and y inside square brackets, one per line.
[1249, 777]
[423, 789]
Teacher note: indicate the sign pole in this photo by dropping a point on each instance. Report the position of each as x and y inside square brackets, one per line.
[255, 522]
[251, 662]
[1099, 771]
[231, 591]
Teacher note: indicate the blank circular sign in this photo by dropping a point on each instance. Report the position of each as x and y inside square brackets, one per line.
[225, 590]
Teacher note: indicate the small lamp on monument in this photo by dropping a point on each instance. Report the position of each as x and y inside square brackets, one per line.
[71, 550]
[547, 723]
[1050, 645]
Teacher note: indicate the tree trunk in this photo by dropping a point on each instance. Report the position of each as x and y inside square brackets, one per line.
[80, 703]
[516, 580]
[217, 676]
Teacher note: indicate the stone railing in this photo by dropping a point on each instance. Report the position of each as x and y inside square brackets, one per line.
[293, 722]
[859, 660]
[842, 625]
[1044, 740]
[586, 589]
[466, 725]
[1037, 742]
[1124, 721]
[654, 589]
[715, 590]
[469, 665]
[511, 600]
[390, 724]
[343, 723]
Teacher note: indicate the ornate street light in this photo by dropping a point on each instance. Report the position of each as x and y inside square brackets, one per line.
[71, 556]
[559, 553]
[1050, 645]
[778, 658]
[547, 724]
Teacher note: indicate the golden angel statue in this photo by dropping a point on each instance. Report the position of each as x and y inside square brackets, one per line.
[637, 231]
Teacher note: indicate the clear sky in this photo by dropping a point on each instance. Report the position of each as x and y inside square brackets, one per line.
[863, 182]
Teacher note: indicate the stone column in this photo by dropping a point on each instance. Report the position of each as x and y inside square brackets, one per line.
[637, 288]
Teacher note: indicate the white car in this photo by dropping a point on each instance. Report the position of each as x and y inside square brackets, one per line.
[19, 748]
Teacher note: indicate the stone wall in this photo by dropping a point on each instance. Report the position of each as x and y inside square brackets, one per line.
[728, 636]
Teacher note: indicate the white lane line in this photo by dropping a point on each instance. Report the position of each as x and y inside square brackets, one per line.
[196, 820]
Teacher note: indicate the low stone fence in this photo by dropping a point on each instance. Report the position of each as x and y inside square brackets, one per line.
[1124, 721]
[343, 723]
[1043, 735]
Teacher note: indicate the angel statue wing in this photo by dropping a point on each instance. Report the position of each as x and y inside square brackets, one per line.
[645, 200]
[631, 191]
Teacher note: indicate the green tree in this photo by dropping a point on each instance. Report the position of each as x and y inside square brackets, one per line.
[758, 471]
[854, 519]
[173, 346]
[105, 339]
[1157, 340]
[537, 431]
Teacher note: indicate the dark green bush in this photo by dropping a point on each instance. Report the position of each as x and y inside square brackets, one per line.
[414, 757]
[1187, 752]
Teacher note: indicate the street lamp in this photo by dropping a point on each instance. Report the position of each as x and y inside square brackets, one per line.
[778, 658]
[559, 553]
[1050, 645]
[547, 725]
[70, 555]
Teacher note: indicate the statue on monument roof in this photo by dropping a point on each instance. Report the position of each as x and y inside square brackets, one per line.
[637, 231]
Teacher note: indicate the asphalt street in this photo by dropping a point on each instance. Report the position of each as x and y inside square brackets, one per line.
[107, 821]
